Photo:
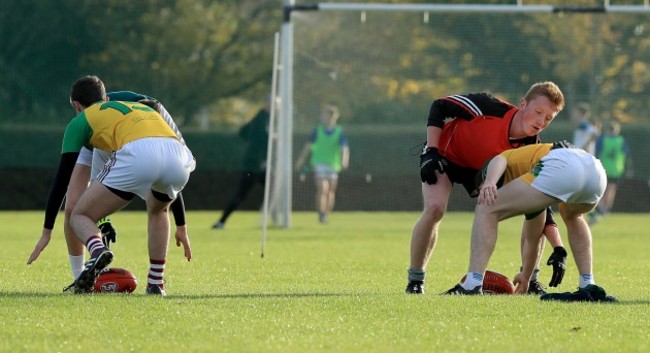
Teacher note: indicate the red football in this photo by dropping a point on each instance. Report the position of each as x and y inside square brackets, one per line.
[495, 283]
[115, 280]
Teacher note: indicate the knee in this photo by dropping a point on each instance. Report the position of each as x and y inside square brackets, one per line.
[491, 213]
[73, 213]
[77, 213]
[69, 207]
[68, 213]
[73, 218]
[434, 212]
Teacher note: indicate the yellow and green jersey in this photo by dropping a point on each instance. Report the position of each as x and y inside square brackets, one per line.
[524, 161]
[110, 125]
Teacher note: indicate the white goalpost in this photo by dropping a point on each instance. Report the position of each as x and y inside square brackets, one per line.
[271, 143]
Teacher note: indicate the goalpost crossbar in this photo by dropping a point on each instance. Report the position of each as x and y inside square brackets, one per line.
[494, 8]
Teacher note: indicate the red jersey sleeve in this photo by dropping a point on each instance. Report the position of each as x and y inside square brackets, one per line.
[466, 107]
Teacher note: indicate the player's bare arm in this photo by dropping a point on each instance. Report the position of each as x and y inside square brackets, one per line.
[488, 191]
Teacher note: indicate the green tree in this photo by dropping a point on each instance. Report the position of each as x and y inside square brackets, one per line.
[41, 46]
[187, 53]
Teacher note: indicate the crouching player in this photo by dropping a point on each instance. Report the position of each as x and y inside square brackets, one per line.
[146, 159]
[88, 165]
[535, 177]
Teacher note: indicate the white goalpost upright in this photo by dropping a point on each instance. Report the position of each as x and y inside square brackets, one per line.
[283, 174]
[271, 143]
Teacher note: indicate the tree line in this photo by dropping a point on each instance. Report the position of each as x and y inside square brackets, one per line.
[195, 53]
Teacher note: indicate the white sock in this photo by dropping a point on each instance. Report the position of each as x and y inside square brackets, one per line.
[586, 279]
[76, 265]
[472, 280]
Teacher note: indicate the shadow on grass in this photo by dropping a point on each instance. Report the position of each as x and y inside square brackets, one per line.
[29, 295]
[24, 295]
[620, 302]
[261, 296]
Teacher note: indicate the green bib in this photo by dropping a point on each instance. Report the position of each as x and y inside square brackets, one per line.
[326, 149]
[612, 156]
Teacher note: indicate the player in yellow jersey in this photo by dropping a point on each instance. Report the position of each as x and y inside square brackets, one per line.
[535, 177]
[87, 167]
[146, 159]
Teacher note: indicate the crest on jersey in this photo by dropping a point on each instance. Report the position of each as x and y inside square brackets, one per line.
[537, 168]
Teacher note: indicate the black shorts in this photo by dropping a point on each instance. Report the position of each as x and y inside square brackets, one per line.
[464, 176]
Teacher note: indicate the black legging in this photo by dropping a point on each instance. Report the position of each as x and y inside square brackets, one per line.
[246, 183]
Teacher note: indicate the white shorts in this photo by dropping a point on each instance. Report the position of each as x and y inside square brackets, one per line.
[160, 164]
[325, 172]
[571, 175]
[96, 159]
[85, 157]
[100, 158]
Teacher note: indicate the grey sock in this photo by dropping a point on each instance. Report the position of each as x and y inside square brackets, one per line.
[416, 275]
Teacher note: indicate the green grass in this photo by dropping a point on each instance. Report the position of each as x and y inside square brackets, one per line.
[333, 288]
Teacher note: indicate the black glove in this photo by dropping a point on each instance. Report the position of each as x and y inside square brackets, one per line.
[430, 161]
[109, 234]
[558, 261]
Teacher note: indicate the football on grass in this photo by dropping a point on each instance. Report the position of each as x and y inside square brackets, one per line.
[116, 280]
[495, 283]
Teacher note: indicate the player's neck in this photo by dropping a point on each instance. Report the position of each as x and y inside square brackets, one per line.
[516, 127]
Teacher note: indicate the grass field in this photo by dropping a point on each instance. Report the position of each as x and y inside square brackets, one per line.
[320, 288]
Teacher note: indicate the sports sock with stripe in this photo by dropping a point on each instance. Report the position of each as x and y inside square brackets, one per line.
[94, 243]
[586, 279]
[472, 280]
[416, 275]
[156, 273]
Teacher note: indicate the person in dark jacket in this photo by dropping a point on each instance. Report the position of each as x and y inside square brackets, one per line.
[256, 134]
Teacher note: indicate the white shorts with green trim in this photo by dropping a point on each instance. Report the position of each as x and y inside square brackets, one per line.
[571, 175]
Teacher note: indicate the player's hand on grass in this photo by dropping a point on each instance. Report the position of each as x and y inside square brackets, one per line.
[183, 239]
[521, 286]
[40, 246]
[558, 261]
[430, 162]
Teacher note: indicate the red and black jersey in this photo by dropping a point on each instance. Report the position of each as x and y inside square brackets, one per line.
[475, 128]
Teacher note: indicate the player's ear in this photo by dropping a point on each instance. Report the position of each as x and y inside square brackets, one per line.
[77, 106]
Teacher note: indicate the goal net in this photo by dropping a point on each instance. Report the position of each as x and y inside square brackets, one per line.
[383, 69]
